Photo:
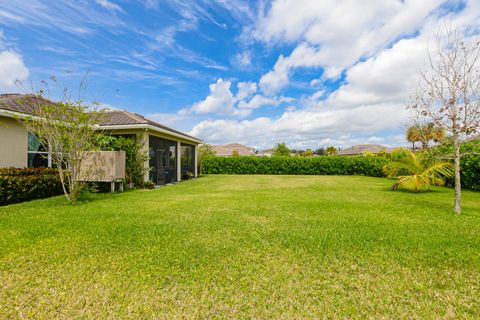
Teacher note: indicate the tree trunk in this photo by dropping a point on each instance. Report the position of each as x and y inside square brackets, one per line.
[62, 181]
[458, 185]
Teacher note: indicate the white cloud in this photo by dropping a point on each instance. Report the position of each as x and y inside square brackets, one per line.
[333, 35]
[75, 17]
[243, 60]
[220, 100]
[151, 4]
[109, 5]
[245, 90]
[12, 70]
[256, 102]
[372, 100]
[303, 128]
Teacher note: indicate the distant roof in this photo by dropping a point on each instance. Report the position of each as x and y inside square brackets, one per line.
[362, 148]
[231, 148]
[237, 146]
[26, 103]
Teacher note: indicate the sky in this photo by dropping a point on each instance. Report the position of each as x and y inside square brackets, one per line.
[308, 73]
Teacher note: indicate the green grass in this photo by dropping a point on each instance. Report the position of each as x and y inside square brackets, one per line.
[244, 247]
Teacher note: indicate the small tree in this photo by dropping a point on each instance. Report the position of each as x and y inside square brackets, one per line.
[67, 129]
[319, 152]
[134, 160]
[307, 153]
[331, 151]
[449, 95]
[281, 149]
[415, 171]
[204, 150]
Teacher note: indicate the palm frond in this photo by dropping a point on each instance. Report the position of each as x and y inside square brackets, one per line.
[415, 172]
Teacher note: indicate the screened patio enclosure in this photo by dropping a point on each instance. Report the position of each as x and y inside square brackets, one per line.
[163, 160]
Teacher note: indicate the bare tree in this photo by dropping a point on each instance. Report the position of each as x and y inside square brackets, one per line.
[449, 94]
[67, 129]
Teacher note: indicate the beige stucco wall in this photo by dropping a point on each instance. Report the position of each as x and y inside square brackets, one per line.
[13, 143]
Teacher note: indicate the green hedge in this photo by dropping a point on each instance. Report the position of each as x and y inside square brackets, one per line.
[470, 172]
[322, 165]
[470, 163]
[18, 185]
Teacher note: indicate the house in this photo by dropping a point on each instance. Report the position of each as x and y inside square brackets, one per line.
[360, 149]
[231, 149]
[265, 153]
[172, 154]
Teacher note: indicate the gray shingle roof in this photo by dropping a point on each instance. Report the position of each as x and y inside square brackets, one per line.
[362, 148]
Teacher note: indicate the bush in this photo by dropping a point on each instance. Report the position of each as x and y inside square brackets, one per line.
[18, 185]
[469, 163]
[470, 171]
[149, 184]
[322, 165]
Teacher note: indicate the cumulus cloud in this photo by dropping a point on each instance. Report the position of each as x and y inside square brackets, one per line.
[220, 99]
[332, 35]
[243, 60]
[245, 90]
[368, 107]
[12, 70]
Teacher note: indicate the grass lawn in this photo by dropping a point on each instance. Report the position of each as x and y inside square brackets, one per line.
[244, 247]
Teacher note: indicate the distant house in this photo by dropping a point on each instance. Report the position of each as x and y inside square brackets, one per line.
[360, 149]
[171, 153]
[265, 153]
[231, 149]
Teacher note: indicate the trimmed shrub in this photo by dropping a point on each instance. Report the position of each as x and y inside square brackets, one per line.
[470, 171]
[323, 165]
[469, 163]
[18, 185]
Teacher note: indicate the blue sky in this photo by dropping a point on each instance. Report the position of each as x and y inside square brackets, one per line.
[310, 73]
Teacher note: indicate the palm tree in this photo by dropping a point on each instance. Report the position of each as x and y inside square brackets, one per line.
[424, 133]
[413, 135]
[331, 151]
[414, 172]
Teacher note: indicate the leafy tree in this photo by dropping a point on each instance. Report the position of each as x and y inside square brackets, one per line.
[134, 157]
[319, 151]
[281, 149]
[204, 150]
[235, 153]
[67, 129]
[308, 153]
[449, 95]
[414, 172]
[331, 151]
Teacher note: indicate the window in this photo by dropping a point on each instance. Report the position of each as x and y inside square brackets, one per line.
[38, 155]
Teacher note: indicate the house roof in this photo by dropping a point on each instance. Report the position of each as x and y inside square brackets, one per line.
[23, 103]
[362, 148]
[124, 118]
[26, 103]
[237, 146]
[229, 149]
